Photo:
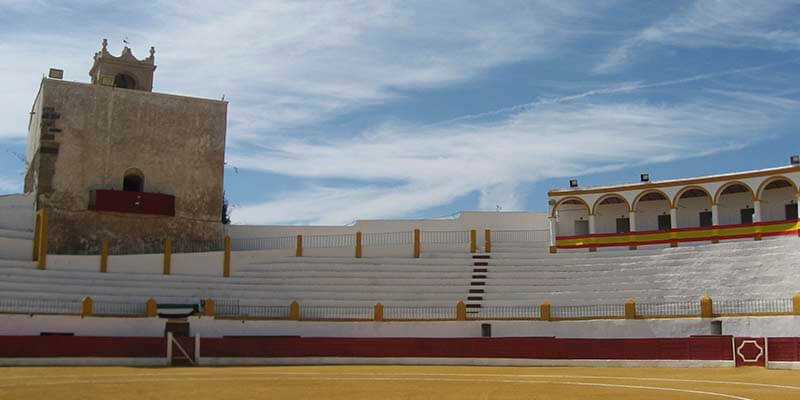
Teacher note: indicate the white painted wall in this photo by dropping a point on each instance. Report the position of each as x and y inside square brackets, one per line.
[16, 249]
[647, 213]
[774, 201]
[16, 212]
[567, 215]
[210, 263]
[95, 326]
[689, 211]
[605, 219]
[73, 263]
[137, 263]
[731, 205]
[209, 327]
[466, 221]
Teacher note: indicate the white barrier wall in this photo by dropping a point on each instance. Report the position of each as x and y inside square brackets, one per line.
[16, 212]
[16, 249]
[73, 263]
[210, 263]
[209, 327]
[465, 221]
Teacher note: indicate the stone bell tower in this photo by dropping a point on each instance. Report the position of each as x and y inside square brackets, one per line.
[111, 160]
[125, 71]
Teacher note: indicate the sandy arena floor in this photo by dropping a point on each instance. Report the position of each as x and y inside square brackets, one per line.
[394, 382]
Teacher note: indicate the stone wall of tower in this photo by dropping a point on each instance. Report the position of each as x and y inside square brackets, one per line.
[84, 137]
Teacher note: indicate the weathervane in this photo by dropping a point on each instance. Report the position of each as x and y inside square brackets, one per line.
[126, 41]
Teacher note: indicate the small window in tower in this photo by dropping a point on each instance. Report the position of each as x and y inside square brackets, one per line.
[133, 181]
[124, 81]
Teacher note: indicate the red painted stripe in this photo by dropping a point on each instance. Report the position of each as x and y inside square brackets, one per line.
[82, 346]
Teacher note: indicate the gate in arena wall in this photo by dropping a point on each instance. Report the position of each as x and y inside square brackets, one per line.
[182, 350]
[750, 351]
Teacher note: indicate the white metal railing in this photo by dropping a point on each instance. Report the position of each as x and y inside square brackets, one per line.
[540, 235]
[387, 239]
[345, 312]
[267, 243]
[444, 237]
[668, 309]
[419, 312]
[329, 241]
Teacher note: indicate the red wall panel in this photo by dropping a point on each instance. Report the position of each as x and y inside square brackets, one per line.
[82, 346]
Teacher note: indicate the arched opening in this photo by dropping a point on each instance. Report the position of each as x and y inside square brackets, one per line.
[778, 197]
[124, 81]
[572, 216]
[611, 214]
[735, 203]
[693, 207]
[652, 211]
[133, 181]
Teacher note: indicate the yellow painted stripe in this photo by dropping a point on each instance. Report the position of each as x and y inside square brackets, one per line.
[698, 234]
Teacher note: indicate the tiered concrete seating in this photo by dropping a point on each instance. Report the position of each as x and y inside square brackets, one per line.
[739, 269]
[306, 280]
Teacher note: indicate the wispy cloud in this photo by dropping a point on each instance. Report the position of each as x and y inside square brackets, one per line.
[10, 185]
[715, 23]
[287, 63]
[435, 165]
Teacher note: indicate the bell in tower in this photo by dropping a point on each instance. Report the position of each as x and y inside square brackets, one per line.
[125, 71]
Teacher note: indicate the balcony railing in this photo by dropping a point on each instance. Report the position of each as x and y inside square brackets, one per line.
[132, 202]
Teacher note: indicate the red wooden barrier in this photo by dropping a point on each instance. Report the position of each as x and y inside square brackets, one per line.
[82, 346]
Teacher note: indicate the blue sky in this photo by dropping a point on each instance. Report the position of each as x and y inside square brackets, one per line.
[344, 110]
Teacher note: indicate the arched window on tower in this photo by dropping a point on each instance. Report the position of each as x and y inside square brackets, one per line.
[124, 81]
[133, 181]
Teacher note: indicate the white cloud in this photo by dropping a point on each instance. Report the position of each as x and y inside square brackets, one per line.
[10, 185]
[435, 165]
[714, 23]
[287, 63]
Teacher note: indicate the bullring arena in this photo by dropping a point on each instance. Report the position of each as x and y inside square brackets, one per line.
[679, 289]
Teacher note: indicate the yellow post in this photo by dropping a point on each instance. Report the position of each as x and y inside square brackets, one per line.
[488, 240]
[210, 308]
[87, 304]
[796, 304]
[553, 250]
[378, 312]
[630, 309]
[461, 311]
[706, 307]
[152, 308]
[294, 311]
[226, 261]
[473, 241]
[36, 231]
[358, 244]
[544, 312]
[416, 243]
[167, 256]
[104, 256]
[43, 239]
[299, 252]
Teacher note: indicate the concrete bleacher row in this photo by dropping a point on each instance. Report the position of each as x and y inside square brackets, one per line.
[736, 269]
[517, 274]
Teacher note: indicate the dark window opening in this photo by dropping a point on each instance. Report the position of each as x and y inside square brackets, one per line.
[623, 225]
[791, 211]
[133, 183]
[124, 81]
[664, 222]
[582, 227]
[705, 218]
[747, 215]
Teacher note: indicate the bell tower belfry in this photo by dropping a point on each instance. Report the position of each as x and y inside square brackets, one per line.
[125, 71]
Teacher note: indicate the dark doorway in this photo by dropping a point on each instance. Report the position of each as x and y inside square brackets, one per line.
[747, 215]
[664, 222]
[124, 81]
[791, 211]
[581, 227]
[133, 183]
[623, 225]
[705, 218]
